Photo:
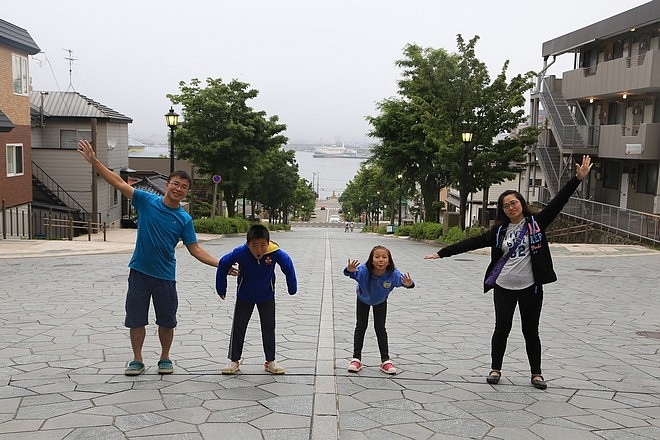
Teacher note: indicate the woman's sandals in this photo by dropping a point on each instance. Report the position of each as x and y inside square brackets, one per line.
[493, 377]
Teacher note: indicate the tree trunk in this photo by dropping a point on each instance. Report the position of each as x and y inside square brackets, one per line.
[230, 202]
[430, 192]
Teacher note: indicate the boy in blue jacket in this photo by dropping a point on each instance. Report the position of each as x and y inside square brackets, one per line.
[255, 286]
[375, 280]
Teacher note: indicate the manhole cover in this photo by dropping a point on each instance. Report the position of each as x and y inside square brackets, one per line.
[462, 259]
[654, 335]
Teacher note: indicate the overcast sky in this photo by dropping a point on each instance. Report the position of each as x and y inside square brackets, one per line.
[321, 66]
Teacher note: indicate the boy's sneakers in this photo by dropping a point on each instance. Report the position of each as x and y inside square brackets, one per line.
[388, 367]
[355, 365]
[231, 367]
[273, 367]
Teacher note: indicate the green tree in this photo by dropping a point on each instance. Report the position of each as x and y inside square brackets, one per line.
[440, 96]
[370, 193]
[221, 134]
[405, 148]
[276, 189]
[304, 199]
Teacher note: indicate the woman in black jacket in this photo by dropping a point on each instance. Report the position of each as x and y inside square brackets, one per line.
[520, 265]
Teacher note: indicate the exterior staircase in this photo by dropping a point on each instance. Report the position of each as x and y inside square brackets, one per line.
[556, 161]
[49, 198]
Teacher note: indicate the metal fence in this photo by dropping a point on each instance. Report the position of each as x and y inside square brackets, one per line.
[635, 225]
[37, 222]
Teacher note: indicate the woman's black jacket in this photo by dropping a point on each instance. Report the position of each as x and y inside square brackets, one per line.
[538, 243]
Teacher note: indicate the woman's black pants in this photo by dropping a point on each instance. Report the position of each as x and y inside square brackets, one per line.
[529, 301]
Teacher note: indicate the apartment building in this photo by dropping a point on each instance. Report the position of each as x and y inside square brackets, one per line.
[607, 106]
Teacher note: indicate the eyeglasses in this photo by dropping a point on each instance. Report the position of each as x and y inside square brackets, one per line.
[511, 204]
[177, 184]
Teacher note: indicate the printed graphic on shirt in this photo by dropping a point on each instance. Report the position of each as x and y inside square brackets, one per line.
[387, 284]
[510, 239]
[535, 237]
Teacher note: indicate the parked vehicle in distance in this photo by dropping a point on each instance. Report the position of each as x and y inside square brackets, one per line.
[334, 218]
[322, 208]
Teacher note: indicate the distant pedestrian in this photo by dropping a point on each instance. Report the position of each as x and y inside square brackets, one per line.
[162, 224]
[520, 265]
[256, 261]
[375, 280]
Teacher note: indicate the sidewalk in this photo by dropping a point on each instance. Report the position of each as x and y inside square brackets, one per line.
[116, 241]
[64, 348]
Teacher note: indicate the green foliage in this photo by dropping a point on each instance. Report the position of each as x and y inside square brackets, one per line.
[473, 231]
[404, 230]
[221, 225]
[238, 225]
[278, 180]
[221, 134]
[441, 95]
[278, 226]
[454, 235]
[426, 231]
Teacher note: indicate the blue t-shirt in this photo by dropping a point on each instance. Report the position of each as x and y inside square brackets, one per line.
[158, 232]
[374, 290]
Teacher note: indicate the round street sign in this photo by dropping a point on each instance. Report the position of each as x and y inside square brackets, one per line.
[217, 179]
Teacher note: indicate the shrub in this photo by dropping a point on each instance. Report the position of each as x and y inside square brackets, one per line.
[404, 230]
[370, 228]
[238, 225]
[426, 231]
[221, 225]
[454, 235]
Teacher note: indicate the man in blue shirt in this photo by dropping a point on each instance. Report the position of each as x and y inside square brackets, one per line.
[162, 223]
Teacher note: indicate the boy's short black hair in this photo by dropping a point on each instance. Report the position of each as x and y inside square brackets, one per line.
[181, 174]
[256, 232]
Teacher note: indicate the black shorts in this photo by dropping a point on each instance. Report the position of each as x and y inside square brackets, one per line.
[141, 289]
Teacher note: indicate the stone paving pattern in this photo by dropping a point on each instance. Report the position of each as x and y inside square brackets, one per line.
[63, 349]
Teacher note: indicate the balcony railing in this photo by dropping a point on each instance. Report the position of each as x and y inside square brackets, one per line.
[635, 225]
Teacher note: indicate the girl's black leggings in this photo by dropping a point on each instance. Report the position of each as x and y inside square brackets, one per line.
[362, 317]
[529, 301]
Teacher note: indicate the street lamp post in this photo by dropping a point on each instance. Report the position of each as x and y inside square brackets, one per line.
[377, 209]
[172, 120]
[466, 136]
[399, 180]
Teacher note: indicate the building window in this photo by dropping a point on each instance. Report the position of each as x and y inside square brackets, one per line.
[20, 74]
[647, 178]
[69, 138]
[14, 160]
[611, 175]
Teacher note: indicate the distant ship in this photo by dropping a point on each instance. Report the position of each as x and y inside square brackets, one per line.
[334, 151]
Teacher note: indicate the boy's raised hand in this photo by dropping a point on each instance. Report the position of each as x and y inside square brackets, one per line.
[406, 280]
[352, 265]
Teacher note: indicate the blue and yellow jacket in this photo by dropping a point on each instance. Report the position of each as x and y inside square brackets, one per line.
[256, 281]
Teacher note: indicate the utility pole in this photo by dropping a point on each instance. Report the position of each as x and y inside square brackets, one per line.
[95, 190]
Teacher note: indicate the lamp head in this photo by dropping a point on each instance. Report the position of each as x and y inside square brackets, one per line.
[172, 118]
